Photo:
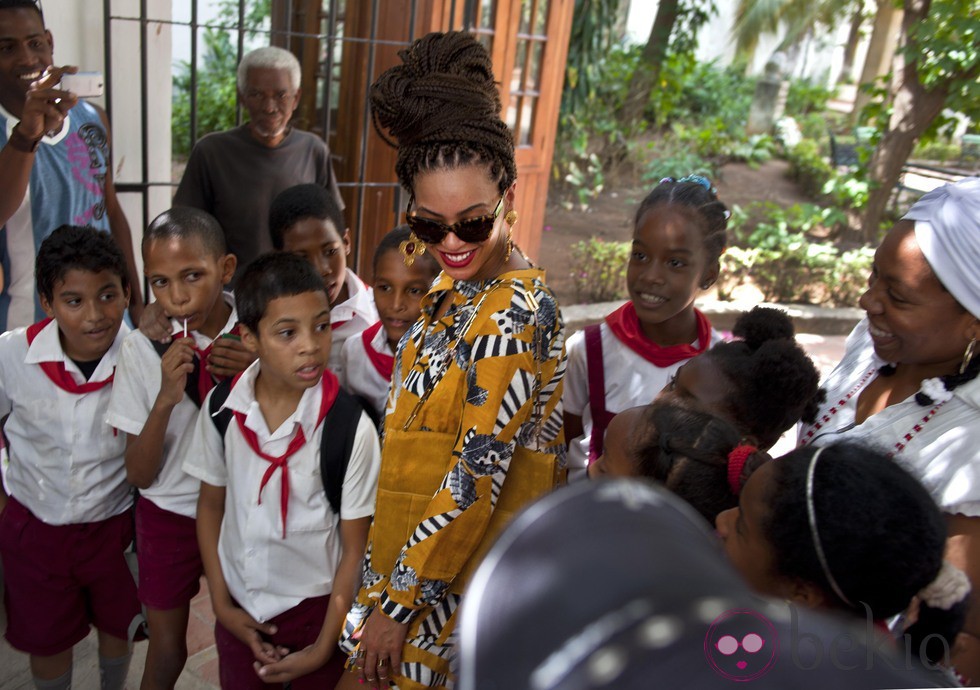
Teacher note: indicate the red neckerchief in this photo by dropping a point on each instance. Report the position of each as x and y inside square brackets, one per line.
[625, 325]
[329, 386]
[383, 364]
[56, 370]
[205, 380]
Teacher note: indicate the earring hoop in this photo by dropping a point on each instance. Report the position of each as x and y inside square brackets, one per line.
[968, 355]
[411, 248]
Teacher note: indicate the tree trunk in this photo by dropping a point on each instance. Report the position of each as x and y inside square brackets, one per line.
[888, 26]
[913, 110]
[850, 49]
[647, 71]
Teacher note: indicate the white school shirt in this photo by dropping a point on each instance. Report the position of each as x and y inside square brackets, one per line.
[65, 464]
[265, 573]
[134, 391]
[349, 318]
[944, 455]
[630, 381]
[361, 377]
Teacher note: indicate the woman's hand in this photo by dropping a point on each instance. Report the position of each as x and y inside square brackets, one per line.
[229, 357]
[154, 323]
[380, 650]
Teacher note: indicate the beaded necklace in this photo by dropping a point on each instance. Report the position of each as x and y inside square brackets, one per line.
[834, 409]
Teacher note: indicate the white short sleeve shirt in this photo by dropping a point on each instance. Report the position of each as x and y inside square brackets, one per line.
[350, 317]
[266, 573]
[65, 464]
[361, 377]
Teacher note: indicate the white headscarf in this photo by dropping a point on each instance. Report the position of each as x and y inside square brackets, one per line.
[947, 228]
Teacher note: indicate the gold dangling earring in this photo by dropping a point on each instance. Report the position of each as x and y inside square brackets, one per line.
[510, 219]
[411, 248]
[968, 355]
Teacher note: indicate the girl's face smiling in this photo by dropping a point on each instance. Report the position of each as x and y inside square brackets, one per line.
[451, 195]
[668, 264]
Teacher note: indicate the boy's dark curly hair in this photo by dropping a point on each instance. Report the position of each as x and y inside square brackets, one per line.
[76, 247]
[269, 277]
[298, 203]
[441, 109]
[773, 383]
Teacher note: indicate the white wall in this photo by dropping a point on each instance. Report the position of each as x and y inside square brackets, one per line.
[823, 53]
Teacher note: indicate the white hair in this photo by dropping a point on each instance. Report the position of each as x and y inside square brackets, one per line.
[269, 57]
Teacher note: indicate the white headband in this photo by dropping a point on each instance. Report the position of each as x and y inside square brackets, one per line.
[947, 229]
[812, 516]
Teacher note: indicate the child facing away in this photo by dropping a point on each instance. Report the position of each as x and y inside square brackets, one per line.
[845, 528]
[400, 283]
[678, 238]
[306, 220]
[66, 516]
[281, 561]
[155, 400]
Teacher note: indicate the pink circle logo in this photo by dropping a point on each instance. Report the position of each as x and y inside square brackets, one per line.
[741, 645]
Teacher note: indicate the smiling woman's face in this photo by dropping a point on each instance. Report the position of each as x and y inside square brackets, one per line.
[913, 319]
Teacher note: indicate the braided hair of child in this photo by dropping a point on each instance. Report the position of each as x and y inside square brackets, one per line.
[441, 109]
[696, 194]
[774, 383]
[688, 450]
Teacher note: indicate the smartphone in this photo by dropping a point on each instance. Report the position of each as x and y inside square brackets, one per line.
[84, 84]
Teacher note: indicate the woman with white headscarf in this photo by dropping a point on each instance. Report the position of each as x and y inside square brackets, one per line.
[908, 380]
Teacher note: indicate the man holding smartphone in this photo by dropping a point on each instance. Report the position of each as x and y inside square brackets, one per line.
[54, 163]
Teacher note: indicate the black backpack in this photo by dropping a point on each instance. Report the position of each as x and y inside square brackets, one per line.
[345, 414]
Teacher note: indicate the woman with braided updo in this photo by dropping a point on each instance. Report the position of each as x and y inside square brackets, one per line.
[472, 430]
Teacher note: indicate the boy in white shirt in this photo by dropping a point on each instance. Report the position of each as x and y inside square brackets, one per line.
[307, 221]
[281, 571]
[367, 361]
[155, 400]
[66, 516]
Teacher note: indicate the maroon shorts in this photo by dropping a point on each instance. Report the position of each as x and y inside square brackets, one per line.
[62, 578]
[169, 560]
[297, 628]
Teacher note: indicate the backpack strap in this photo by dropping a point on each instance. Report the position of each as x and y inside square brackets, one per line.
[220, 417]
[190, 384]
[597, 390]
[343, 417]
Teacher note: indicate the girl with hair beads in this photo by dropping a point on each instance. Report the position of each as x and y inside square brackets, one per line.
[844, 529]
[473, 427]
[678, 237]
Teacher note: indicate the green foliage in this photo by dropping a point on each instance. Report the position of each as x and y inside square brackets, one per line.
[804, 97]
[939, 150]
[599, 269]
[783, 260]
[944, 47]
[693, 91]
[593, 37]
[848, 190]
[808, 168]
[216, 92]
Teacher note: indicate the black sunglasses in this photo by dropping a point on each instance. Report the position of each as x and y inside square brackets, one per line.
[470, 230]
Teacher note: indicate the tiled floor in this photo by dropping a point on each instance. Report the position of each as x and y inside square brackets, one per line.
[201, 671]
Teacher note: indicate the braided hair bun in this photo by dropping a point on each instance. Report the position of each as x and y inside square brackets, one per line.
[774, 382]
[441, 109]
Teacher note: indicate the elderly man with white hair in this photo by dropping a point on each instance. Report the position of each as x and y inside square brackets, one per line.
[235, 175]
[908, 380]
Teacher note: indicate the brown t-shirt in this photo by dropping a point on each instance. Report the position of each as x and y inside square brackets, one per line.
[235, 178]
